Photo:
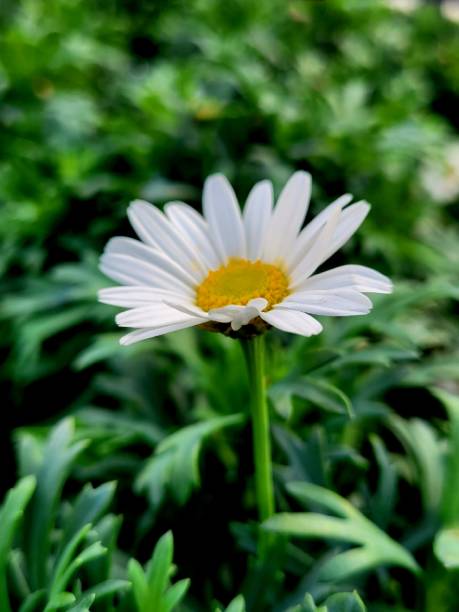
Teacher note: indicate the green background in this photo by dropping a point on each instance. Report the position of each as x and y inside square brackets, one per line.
[105, 102]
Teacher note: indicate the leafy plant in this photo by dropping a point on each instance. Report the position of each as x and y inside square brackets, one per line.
[101, 104]
[152, 590]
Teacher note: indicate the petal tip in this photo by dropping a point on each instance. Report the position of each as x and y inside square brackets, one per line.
[102, 296]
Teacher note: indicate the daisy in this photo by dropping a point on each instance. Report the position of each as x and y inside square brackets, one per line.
[237, 272]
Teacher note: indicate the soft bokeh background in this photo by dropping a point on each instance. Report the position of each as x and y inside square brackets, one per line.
[104, 102]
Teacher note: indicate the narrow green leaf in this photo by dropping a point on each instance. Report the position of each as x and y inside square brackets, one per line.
[107, 588]
[309, 525]
[176, 460]
[421, 442]
[308, 605]
[237, 605]
[159, 568]
[175, 594]
[450, 496]
[351, 562]
[376, 548]
[106, 532]
[65, 559]
[60, 600]
[83, 605]
[446, 547]
[316, 391]
[93, 551]
[87, 508]
[10, 513]
[383, 502]
[139, 584]
[345, 602]
[309, 493]
[32, 601]
[17, 574]
[58, 455]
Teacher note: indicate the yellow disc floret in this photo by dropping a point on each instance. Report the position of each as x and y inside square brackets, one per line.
[239, 281]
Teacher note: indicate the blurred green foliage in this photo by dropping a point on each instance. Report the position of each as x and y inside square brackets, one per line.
[105, 102]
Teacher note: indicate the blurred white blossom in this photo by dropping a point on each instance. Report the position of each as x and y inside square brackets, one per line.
[440, 178]
[450, 10]
[404, 6]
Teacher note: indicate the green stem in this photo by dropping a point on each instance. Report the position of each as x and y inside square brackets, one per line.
[255, 354]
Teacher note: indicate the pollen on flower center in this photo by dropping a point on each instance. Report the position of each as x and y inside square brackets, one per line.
[239, 281]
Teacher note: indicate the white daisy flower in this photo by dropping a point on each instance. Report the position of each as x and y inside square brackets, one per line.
[227, 269]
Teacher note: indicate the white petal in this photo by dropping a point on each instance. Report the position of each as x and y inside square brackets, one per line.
[144, 334]
[132, 271]
[121, 245]
[224, 217]
[239, 315]
[350, 221]
[292, 321]
[331, 303]
[187, 307]
[359, 278]
[177, 210]
[288, 216]
[192, 225]
[318, 250]
[257, 215]
[162, 260]
[131, 297]
[303, 243]
[258, 303]
[162, 233]
[153, 315]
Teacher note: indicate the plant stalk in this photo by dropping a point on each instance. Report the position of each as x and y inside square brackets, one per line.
[254, 350]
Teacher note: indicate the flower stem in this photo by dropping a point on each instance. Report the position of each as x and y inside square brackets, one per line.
[255, 355]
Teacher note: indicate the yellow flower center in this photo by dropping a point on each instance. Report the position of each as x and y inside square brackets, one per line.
[239, 281]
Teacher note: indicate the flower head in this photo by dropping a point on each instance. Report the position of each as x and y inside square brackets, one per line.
[226, 270]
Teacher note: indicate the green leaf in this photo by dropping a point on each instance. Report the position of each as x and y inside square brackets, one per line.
[60, 600]
[305, 456]
[375, 548]
[308, 605]
[422, 444]
[338, 602]
[89, 505]
[379, 355]
[106, 532]
[175, 465]
[151, 589]
[83, 605]
[58, 455]
[450, 496]
[31, 602]
[175, 594]
[10, 514]
[139, 583]
[237, 605]
[446, 547]
[316, 391]
[65, 559]
[29, 453]
[108, 588]
[159, 567]
[383, 502]
[345, 602]
[93, 551]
